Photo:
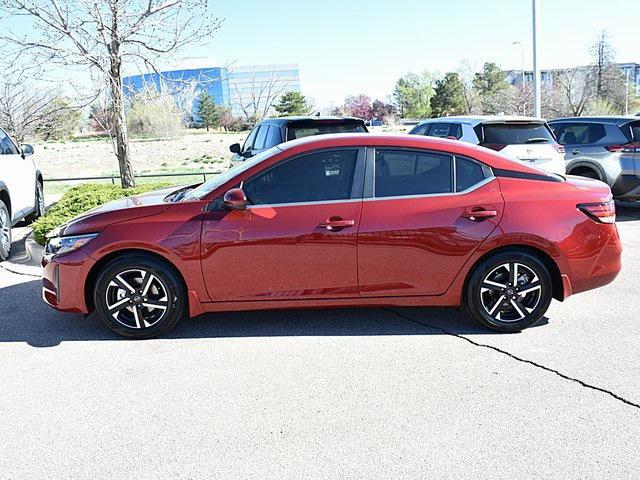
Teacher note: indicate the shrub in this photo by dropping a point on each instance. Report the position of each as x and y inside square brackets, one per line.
[81, 198]
[154, 114]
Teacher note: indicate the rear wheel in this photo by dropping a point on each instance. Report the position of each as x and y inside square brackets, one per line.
[139, 297]
[5, 232]
[509, 291]
[586, 172]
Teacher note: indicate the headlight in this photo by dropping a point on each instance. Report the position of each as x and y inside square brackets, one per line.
[58, 245]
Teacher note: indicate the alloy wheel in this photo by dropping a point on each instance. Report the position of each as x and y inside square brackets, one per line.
[5, 233]
[510, 292]
[40, 198]
[137, 299]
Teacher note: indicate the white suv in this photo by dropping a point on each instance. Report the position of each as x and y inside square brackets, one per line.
[524, 139]
[21, 192]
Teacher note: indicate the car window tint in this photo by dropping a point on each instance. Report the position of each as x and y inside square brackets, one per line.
[295, 131]
[399, 172]
[259, 144]
[635, 131]
[248, 143]
[273, 136]
[6, 145]
[420, 129]
[579, 133]
[516, 133]
[468, 173]
[320, 176]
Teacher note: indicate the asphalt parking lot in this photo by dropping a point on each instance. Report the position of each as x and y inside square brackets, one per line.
[374, 393]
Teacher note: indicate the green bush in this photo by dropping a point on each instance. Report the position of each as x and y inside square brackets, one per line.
[81, 198]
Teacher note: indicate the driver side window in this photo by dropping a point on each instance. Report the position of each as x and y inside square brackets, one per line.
[7, 146]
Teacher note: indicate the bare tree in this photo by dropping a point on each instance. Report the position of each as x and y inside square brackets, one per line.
[106, 36]
[576, 87]
[263, 93]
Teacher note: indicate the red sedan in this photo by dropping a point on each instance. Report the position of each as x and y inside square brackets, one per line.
[341, 221]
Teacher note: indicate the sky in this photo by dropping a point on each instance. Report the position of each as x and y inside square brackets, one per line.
[348, 47]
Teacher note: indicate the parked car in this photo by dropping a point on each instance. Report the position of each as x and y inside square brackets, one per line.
[604, 148]
[524, 139]
[341, 221]
[21, 191]
[274, 131]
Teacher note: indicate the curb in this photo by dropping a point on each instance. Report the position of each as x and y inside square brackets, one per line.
[29, 261]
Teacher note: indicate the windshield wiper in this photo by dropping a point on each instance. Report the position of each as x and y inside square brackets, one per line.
[538, 140]
[178, 195]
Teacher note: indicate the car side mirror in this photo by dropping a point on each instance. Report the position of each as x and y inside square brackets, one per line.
[26, 150]
[235, 148]
[235, 199]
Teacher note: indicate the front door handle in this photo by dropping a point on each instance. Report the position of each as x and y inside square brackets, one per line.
[336, 223]
[479, 215]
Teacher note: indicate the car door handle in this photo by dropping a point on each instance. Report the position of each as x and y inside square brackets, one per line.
[576, 152]
[479, 215]
[336, 223]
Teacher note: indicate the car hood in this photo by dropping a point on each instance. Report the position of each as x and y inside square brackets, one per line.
[128, 208]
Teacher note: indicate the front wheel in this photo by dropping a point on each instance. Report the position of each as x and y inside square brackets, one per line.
[509, 291]
[39, 207]
[5, 232]
[138, 296]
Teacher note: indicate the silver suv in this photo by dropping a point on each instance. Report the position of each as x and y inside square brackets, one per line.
[605, 148]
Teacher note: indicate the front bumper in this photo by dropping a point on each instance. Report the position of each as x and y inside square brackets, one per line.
[63, 281]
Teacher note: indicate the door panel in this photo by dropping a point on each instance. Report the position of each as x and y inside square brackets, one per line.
[281, 252]
[19, 176]
[417, 245]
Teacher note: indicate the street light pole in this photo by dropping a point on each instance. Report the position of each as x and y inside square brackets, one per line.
[524, 100]
[536, 69]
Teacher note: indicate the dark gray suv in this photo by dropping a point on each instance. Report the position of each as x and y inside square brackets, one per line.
[605, 148]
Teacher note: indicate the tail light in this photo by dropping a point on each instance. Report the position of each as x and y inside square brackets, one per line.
[494, 146]
[600, 212]
[632, 147]
[559, 148]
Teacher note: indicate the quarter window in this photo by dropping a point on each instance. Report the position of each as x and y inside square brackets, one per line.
[469, 173]
[320, 176]
[399, 173]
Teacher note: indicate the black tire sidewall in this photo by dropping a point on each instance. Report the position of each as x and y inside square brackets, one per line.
[474, 305]
[166, 274]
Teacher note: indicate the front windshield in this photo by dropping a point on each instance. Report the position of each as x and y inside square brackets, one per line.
[210, 185]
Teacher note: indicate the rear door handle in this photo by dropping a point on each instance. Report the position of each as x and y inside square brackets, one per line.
[479, 215]
[576, 152]
[336, 223]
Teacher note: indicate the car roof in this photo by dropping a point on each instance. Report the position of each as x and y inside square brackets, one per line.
[455, 147]
[308, 118]
[610, 119]
[474, 120]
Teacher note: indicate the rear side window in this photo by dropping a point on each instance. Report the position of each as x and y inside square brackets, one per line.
[515, 133]
[402, 172]
[307, 130]
[469, 173]
[320, 176]
[579, 133]
[444, 130]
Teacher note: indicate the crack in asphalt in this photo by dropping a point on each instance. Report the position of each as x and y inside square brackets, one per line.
[15, 272]
[519, 359]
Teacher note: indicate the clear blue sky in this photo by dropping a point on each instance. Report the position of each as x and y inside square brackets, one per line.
[362, 46]
[350, 46]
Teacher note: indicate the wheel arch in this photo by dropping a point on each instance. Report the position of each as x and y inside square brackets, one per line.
[556, 277]
[39, 177]
[589, 165]
[92, 276]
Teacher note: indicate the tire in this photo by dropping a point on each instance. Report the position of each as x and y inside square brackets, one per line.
[5, 232]
[493, 302]
[39, 205]
[132, 308]
[587, 173]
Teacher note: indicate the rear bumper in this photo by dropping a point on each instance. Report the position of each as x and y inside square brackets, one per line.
[63, 280]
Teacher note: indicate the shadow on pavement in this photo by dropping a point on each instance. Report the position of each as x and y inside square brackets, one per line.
[627, 211]
[25, 318]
